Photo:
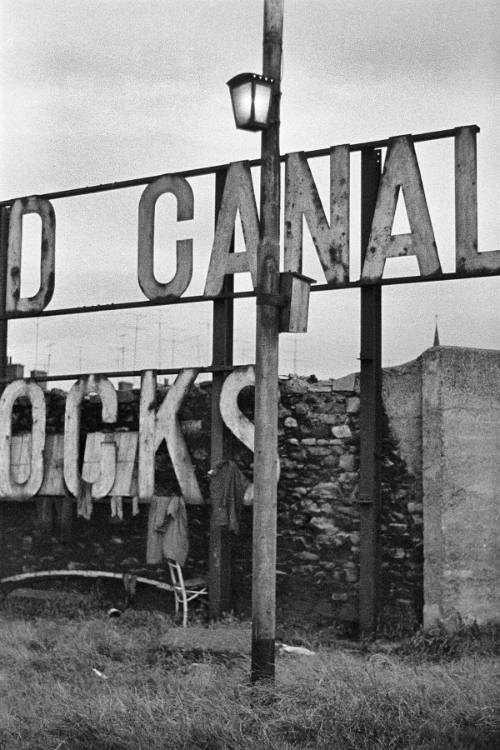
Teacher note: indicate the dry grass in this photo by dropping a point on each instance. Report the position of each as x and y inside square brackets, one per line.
[154, 697]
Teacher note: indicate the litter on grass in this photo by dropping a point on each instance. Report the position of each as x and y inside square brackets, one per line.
[296, 650]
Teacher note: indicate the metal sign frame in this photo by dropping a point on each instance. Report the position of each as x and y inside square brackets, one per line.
[470, 263]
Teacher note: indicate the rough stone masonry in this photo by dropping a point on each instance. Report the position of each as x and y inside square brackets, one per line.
[318, 528]
[440, 554]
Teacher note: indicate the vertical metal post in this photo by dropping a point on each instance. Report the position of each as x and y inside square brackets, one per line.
[266, 366]
[370, 410]
[4, 237]
[220, 444]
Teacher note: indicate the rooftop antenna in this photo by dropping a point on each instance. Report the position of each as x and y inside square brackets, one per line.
[36, 342]
[159, 340]
[136, 331]
[49, 356]
[122, 350]
[172, 350]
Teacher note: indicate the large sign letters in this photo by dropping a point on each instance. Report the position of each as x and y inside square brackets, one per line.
[36, 463]
[330, 235]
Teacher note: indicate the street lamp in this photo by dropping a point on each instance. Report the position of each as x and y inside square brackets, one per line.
[251, 100]
[256, 106]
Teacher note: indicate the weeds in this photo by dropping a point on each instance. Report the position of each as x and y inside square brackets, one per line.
[441, 644]
[148, 694]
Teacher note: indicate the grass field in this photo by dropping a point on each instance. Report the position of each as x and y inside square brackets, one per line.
[93, 683]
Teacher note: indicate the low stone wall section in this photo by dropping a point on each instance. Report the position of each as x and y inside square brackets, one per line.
[318, 521]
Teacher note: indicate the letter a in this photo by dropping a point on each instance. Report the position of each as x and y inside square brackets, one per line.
[238, 196]
[401, 171]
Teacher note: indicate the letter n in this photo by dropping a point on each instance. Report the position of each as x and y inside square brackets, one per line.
[331, 240]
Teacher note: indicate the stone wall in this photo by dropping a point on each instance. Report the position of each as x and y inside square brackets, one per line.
[318, 526]
[439, 464]
[318, 513]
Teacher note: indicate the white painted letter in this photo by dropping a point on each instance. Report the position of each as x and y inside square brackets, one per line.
[41, 299]
[401, 171]
[174, 288]
[238, 196]
[164, 425]
[233, 417]
[107, 393]
[301, 199]
[468, 259]
[8, 486]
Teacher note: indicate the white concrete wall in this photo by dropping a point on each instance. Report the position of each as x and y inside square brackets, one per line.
[444, 411]
[461, 484]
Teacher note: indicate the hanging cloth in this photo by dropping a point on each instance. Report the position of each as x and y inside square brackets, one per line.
[84, 504]
[117, 507]
[167, 530]
[154, 547]
[135, 506]
[175, 530]
[45, 513]
[228, 485]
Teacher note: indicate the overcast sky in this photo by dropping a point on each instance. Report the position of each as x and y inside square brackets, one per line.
[102, 90]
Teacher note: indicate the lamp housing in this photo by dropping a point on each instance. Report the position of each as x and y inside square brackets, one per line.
[251, 100]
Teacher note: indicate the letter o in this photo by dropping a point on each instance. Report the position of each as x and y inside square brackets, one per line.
[8, 486]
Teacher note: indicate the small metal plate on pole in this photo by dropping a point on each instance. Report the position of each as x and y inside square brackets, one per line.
[295, 289]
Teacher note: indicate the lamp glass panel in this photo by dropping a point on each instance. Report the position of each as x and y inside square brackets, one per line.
[242, 103]
[262, 102]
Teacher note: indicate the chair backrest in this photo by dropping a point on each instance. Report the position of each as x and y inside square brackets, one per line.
[176, 574]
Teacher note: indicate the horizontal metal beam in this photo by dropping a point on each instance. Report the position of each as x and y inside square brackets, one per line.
[418, 138]
[115, 306]
[451, 276]
[121, 373]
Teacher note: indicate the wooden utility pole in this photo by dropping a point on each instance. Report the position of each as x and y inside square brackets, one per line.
[266, 365]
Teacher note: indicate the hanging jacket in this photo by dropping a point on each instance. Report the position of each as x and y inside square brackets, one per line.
[167, 530]
[156, 516]
[175, 528]
[228, 485]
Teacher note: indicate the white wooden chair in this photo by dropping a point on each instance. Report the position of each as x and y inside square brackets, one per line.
[185, 591]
